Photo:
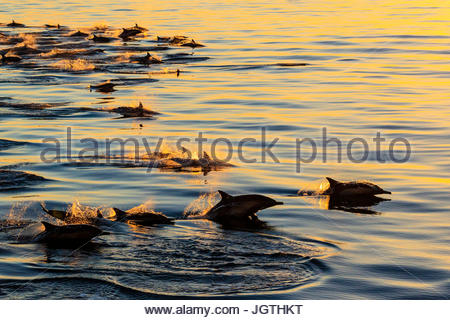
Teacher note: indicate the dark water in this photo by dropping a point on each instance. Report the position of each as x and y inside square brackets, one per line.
[292, 67]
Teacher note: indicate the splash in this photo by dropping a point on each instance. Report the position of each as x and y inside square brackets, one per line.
[164, 71]
[201, 205]
[82, 213]
[17, 211]
[315, 188]
[27, 40]
[100, 27]
[147, 206]
[74, 65]
[125, 57]
[16, 222]
[61, 53]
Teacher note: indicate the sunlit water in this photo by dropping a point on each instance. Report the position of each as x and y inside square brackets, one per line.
[371, 67]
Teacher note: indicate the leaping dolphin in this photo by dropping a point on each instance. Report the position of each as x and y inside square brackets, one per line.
[352, 189]
[239, 211]
[129, 32]
[68, 218]
[142, 218]
[68, 235]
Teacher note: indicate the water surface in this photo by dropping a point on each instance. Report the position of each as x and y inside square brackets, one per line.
[292, 67]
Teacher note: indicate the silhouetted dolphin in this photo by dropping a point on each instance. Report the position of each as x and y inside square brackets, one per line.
[148, 59]
[352, 188]
[68, 218]
[52, 26]
[139, 112]
[72, 234]
[101, 39]
[129, 32]
[143, 218]
[58, 214]
[176, 40]
[106, 86]
[239, 211]
[78, 34]
[14, 24]
[192, 44]
[10, 58]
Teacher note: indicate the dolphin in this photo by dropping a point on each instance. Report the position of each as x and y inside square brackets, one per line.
[130, 112]
[177, 40]
[68, 218]
[52, 26]
[68, 235]
[129, 32]
[239, 211]
[78, 33]
[58, 214]
[101, 39]
[142, 218]
[352, 189]
[14, 24]
[10, 58]
[192, 44]
[149, 59]
[106, 86]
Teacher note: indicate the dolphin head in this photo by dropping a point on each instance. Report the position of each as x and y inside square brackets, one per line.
[378, 190]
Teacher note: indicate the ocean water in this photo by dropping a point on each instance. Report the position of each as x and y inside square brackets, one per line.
[284, 69]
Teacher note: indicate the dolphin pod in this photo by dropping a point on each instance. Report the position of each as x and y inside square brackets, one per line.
[238, 212]
[231, 212]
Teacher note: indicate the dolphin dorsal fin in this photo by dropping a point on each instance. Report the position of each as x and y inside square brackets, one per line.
[44, 208]
[184, 150]
[99, 214]
[331, 181]
[119, 213]
[48, 226]
[207, 157]
[225, 196]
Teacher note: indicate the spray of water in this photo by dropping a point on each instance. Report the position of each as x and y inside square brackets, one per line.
[201, 205]
[314, 188]
[73, 65]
